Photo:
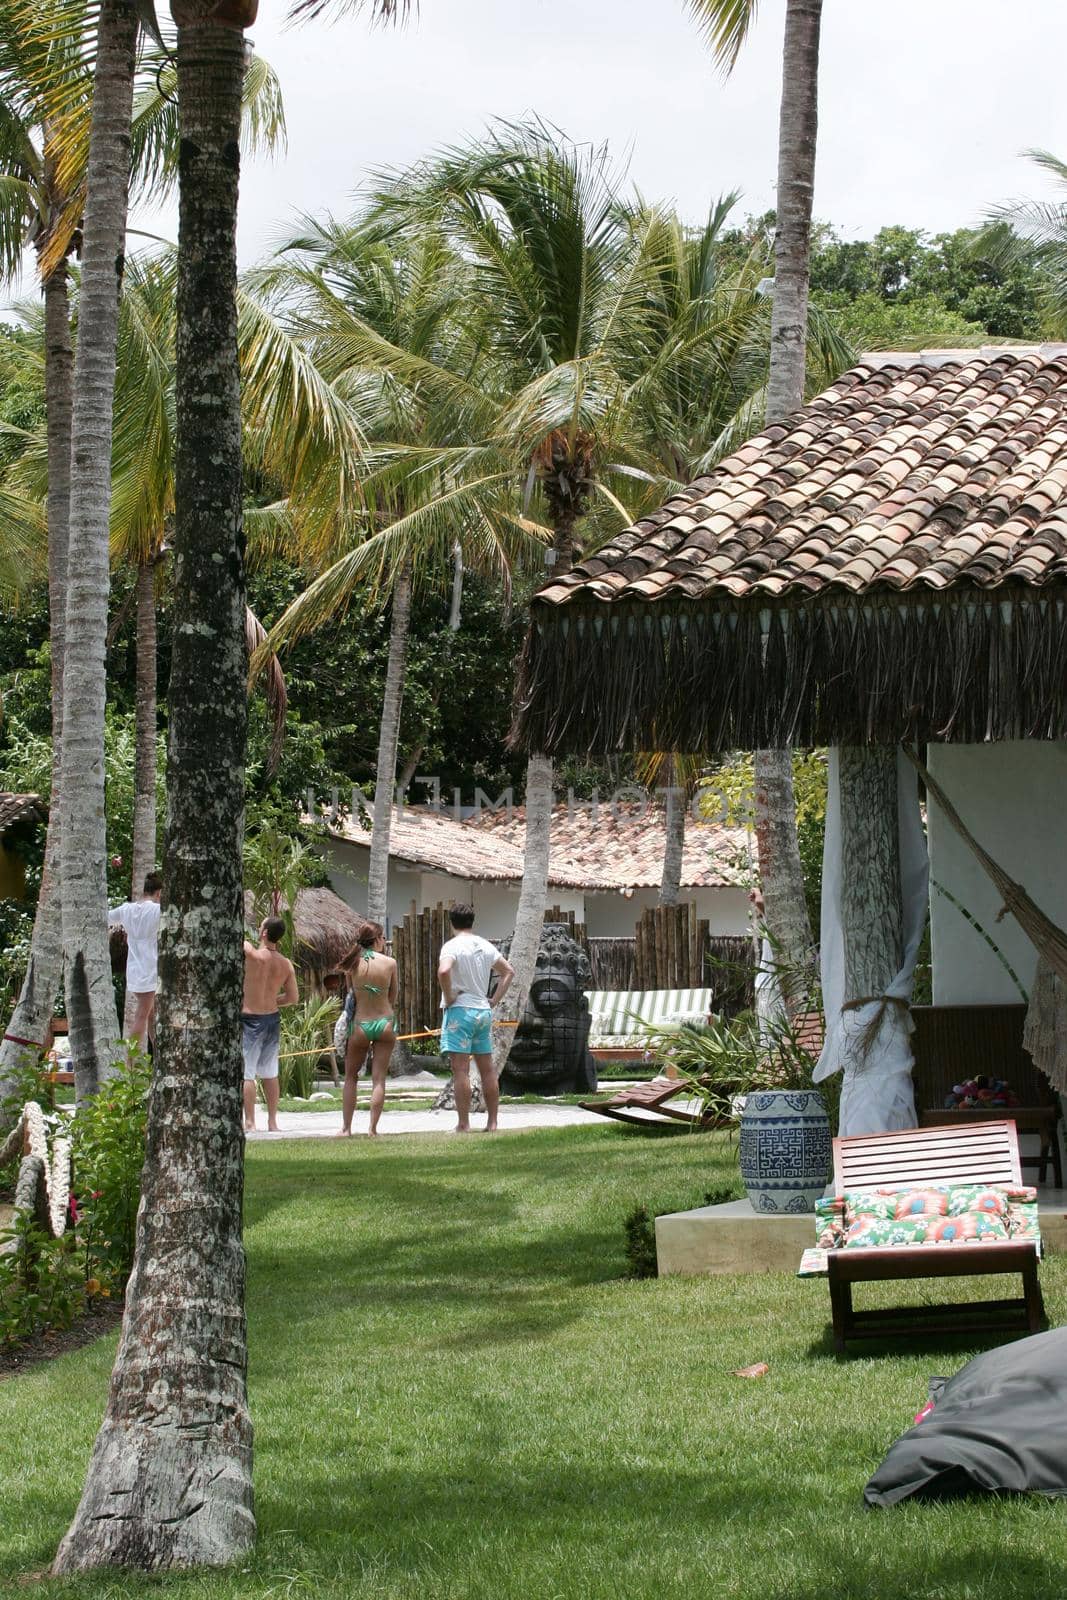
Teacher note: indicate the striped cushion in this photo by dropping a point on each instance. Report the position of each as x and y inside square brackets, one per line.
[617, 1014]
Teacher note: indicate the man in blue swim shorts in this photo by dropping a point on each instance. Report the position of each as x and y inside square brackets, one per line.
[465, 968]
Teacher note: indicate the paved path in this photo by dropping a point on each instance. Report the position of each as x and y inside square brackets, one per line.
[325, 1125]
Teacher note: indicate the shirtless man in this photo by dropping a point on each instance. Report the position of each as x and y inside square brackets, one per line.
[270, 983]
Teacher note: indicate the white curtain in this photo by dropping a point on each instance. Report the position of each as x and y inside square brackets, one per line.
[871, 1044]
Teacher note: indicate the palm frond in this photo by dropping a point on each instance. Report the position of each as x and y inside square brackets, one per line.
[154, 128]
[274, 689]
[725, 24]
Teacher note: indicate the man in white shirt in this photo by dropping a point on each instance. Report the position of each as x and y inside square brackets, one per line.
[140, 921]
[465, 966]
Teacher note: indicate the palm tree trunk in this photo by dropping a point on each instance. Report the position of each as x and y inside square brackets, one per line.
[94, 1028]
[674, 847]
[781, 875]
[169, 1482]
[872, 906]
[530, 915]
[776, 830]
[797, 133]
[455, 613]
[388, 738]
[144, 784]
[44, 969]
[144, 761]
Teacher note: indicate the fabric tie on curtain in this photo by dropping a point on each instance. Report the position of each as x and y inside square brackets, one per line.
[869, 1040]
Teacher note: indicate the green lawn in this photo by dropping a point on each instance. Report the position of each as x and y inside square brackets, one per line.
[457, 1396]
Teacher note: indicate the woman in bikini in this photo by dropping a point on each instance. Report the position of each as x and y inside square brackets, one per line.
[372, 975]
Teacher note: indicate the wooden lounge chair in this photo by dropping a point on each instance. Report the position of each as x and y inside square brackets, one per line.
[980, 1152]
[648, 1104]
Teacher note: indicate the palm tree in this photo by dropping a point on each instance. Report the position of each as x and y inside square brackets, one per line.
[1034, 232]
[191, 1202]
[175, 1446]
[34, 204]
[388, 326]
[45, 126]
[568, 279]
[727, 23]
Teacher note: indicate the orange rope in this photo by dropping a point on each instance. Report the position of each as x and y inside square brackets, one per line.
[401, 1038]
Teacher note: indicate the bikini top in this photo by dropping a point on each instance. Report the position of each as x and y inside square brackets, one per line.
[371, 988]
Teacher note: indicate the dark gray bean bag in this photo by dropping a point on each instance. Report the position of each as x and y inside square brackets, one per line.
[999, 1425]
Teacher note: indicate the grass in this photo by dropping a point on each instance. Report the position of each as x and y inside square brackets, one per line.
[457, 1396]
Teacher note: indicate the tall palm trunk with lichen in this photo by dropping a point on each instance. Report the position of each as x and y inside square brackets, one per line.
[169, 1482]
[674, 809]
[91, 1012]
[776, 833]
[566, 484]
[29, 1022]
[144, 760]
[388, 740]
[144, 777]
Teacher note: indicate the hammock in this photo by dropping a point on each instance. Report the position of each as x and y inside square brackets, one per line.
[1049, 940]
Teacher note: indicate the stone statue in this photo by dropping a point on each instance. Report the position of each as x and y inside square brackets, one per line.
[550, 1053]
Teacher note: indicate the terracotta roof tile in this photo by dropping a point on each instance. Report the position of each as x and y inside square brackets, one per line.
[621, 848]
[909, 472]
[20, 808]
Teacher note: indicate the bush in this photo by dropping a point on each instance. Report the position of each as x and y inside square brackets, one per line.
[42, 1284]
[307, 1034]
[640, 1233]
[640, 1229]
[109, 1138]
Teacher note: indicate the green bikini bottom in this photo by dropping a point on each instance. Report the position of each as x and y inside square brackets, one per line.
[373, 1027]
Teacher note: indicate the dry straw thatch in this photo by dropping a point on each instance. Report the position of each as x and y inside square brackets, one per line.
[888, 563]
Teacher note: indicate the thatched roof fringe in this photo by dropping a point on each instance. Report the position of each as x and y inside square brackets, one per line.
[962, 667]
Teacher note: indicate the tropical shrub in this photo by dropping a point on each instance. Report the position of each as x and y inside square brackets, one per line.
[109, 1138]
[307, 1033]
[42, 1282]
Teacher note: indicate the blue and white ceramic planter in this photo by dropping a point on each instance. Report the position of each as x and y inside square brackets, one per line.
[785, 1149]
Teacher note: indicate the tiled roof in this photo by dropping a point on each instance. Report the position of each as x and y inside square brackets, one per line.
[911, 472]
[620, 848]
[19, 808]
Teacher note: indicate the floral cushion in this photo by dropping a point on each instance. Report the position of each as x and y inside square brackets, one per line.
[960, 1213]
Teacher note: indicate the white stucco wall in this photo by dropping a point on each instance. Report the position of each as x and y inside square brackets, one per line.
[613, 915]
[1013, 798]
[607, 915]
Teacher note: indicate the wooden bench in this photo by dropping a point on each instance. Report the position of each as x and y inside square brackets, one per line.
[953, 1043]
[984, 1152]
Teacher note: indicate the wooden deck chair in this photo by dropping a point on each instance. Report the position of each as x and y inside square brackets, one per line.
[986, 1152]
[649, 1105]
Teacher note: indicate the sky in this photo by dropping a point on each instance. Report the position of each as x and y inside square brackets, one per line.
[925, 105]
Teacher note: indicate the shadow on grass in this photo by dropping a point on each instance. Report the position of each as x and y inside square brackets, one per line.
[859, 1554]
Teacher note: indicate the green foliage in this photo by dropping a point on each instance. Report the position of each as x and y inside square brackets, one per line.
[306, 1028]
[947, 281]
[109, 1141]
[869, 322]
[722, 1061]
[729, 793]
[640, 1231]
[277, 865]
[16, 929]
[42, 1285]
[491, 1350]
